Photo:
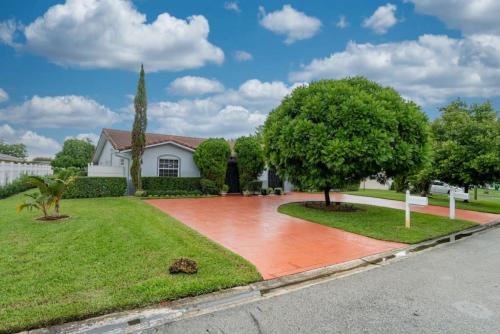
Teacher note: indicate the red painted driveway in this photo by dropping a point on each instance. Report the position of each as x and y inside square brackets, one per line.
[276, 244]
[280, 245]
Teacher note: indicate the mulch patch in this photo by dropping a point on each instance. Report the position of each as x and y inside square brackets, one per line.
[52, 218]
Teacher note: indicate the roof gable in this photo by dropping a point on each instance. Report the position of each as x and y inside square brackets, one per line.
[122, 140]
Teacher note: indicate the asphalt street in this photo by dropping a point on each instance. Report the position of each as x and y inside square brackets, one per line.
[453, 288]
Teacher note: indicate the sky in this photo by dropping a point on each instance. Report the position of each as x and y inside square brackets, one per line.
[217, 68]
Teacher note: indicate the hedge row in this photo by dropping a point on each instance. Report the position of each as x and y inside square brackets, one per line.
[15, 187]
[166, 183]
[90, 187]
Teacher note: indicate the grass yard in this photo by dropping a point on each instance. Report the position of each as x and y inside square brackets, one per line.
[481, 205]
[112, 254]
[491, 193]
[379, 223]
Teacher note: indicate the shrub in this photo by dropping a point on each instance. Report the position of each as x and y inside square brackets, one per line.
[270, 191]
[90, 187]
[17, 186]
[166, 183]
[140, 193]
[209, 187]
[225, 188]
[278, 191]
[66, 173]
[250, 159]
[161, 193]
[253, 186]
[263, 191]
[349, 187]
[211, 157]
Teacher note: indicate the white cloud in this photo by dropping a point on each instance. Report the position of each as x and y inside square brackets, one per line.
[233, 113]
[469, 16]
[342, 23]
[3, 95]
[382, 19]
[429, 70]
[92, 137]
[8, 31]
[191, 85]
[37, 145]
[290, 22]
[59, 112]
[232, 5]
[113, 34]
[242, 56]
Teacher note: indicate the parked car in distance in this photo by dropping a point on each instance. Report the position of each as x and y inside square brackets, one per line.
[439, 187]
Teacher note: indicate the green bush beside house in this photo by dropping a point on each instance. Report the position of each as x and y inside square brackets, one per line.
[90, 187]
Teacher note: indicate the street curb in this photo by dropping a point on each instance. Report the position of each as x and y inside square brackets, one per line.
[141, 319]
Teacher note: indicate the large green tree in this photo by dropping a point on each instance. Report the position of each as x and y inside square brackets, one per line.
[15, 150]
[334, 133]
[211, 158]
[467, 144]
[75, 153]
[250, 159]
[139, 130]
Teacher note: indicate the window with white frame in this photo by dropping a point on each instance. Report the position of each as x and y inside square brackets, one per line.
[168, 167]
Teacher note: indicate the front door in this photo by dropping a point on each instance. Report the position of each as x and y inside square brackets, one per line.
[273, 180]
[232, 176]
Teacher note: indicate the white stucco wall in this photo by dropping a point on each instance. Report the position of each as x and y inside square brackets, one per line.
[187, 167]
[106, 157]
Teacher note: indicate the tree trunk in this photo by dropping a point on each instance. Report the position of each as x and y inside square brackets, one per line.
[139, 178]
[475, 193]
[327, 196]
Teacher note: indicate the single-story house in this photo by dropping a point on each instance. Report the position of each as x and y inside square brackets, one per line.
[164, 155]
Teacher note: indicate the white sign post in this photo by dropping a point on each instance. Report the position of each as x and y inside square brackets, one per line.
[452, 204]
[415, 200]
[453, 197]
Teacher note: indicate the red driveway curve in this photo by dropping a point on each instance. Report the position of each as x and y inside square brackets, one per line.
[278, 244]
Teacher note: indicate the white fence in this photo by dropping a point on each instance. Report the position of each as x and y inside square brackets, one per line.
[95, 170]
[9, 171]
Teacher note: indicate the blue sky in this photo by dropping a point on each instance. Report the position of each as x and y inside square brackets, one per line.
[216, 68]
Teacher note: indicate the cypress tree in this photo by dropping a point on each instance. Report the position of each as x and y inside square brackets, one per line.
[139, 131]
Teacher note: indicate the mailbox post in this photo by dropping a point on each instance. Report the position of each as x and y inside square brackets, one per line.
[415, 200]
[407, 209]
[453, 197]
[452, 204]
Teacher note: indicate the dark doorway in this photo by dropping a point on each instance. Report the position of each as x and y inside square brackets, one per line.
[273, 180]
[232, 176]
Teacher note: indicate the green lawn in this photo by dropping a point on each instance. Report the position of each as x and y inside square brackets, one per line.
[491, 193]
[112, 254]
[380, 223]
[482, 204]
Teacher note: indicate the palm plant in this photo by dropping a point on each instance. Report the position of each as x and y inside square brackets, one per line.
[37, 201]
[51, 192]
